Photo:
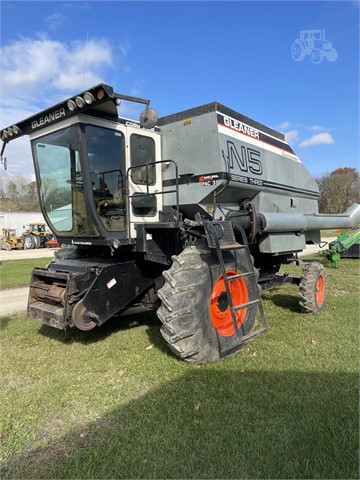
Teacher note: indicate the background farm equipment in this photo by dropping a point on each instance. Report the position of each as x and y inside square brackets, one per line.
[347, 245]
[36, 235]
[9, 240]
[313, 43]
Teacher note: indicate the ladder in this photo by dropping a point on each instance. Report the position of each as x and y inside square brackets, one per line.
[220, 237]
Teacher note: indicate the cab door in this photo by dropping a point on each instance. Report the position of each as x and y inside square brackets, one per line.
[144, 177]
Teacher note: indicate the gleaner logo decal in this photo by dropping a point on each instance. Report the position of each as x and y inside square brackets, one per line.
[241, 127]
[231, 126]
[48, 118]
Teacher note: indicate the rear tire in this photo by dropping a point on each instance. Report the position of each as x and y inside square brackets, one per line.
[29, 242]
[37, 241]
[312, 288]
[196, 317]
[298, 51]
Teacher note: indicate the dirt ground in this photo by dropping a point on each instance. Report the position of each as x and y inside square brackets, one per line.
[21, 254]
[14, 300]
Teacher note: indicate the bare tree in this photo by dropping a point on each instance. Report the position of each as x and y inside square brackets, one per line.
[18, 194]
[339, 190]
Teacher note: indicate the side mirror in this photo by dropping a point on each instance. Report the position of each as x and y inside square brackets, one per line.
[149, 118]
[4, 162]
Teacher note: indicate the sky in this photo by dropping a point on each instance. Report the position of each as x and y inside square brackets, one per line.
[185, 54]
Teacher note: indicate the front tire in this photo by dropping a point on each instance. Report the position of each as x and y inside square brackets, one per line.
[332, 55]
[196, 317]
[316, 56]
[312, 288]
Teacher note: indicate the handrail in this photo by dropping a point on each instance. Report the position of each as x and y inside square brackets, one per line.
[161, 192]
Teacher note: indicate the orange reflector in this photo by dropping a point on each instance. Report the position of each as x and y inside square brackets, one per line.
[100, 94]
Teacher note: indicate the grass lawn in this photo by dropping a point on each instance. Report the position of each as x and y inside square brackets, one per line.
[115, 403]
[330, 233]
[17, 273]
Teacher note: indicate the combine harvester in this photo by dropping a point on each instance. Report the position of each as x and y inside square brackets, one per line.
[191, 215]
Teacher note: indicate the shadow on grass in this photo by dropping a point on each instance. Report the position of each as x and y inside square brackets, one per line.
[213, 423]
[286, 301]
[289, 302]
[4, 322]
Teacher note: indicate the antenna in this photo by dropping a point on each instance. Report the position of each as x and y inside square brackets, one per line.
[85, 58]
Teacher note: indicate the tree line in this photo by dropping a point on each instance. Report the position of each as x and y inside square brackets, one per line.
[17, 194]
[338, 190]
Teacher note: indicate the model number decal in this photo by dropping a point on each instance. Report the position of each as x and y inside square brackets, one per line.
[208, 180]
[251, 181]
[247, 159]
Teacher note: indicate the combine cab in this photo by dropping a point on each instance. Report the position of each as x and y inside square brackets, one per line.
[191, 215]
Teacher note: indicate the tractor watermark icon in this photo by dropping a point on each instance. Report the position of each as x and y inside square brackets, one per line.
[313, 43]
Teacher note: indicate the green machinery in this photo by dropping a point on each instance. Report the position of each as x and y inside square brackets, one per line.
[347, 245]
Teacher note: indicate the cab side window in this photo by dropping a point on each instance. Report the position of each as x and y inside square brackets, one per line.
[142, 151]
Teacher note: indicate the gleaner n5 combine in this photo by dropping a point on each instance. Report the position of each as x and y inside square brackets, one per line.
[191, 214]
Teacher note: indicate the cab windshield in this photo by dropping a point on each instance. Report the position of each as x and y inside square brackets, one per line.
[63, 189]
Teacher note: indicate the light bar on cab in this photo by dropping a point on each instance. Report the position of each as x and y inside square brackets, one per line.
[10, 133]
[86, 99]
[97, 97]
[99, 101]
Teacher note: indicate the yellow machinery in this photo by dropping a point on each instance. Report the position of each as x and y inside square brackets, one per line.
[36, 234]
[9, 240]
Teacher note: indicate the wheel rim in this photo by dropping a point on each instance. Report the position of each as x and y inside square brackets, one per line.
[296, 51]
[320, 290]
[220, 312]
[79, 318]
[28, 242]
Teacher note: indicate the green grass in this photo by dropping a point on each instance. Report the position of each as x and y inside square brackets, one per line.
[115, 403]
[17, 273]
[329, 233]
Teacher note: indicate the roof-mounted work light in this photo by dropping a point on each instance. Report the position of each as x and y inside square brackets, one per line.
[89, 98]
[71, 105]
[4, 135]
[80, 102]
[10, 132]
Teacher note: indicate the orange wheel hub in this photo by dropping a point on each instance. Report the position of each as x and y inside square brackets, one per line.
[320, 290]
[220, 312]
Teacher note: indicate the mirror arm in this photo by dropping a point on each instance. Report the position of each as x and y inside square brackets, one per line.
[3, 159]
[120, 96]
